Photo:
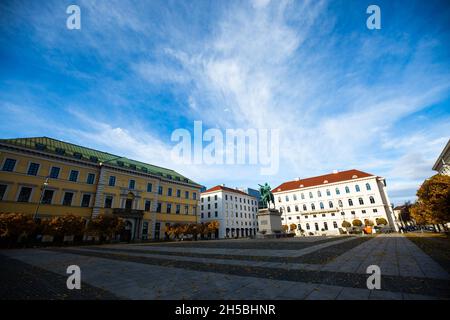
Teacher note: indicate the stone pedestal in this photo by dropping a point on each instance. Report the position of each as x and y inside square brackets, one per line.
[269, 221]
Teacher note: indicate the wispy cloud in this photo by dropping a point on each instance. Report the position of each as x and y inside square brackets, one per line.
[340, 95]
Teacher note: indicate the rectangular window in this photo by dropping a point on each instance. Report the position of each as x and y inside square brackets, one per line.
[108, 201]
[54, 172]
[90, 178]
[158, 207]
[68, 197]
[131, 184]
[47, 197]
[149, 187]
[147, 205]
[73, 175]
[169, 208]
[160, 190]
[186, 194]
[177, 210]
[33, 169]
[215, 214]
[9, 165]
[186, 209]
[375, 210]
[86, 200]
[112, 181]
[194, 210]
[2, 191]
[179, 194]
[169, 192]
[25, 194]
[194, 195]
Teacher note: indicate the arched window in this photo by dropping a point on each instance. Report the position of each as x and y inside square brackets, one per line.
[368, 187]
[357, 188]
[310, 195]
[281, 210]
[287, 198]
[372, 200]
[313, 207]
[350, 202]
[319, 194]
[361, 201]
[295, 197]
[337, 191]
[307, 226]
[296, 208]
[288, 209]
[347, 189]
[340, 203]
[330, 204]
[321, 206]
[304, 207]
[302, 195]
[279, 199]
[328, 192]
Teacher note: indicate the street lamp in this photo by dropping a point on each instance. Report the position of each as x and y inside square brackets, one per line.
[44, 186]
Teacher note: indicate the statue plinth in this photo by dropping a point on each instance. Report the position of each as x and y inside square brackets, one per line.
[269, 221]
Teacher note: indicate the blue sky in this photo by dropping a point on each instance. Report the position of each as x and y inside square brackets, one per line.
[342, 96]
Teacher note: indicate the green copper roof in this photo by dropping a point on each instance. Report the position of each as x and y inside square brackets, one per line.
[72, 150]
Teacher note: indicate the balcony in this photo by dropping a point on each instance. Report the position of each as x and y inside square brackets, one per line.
[128, 213]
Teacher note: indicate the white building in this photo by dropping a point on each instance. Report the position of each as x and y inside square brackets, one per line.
[235, 210]
[442, 164]
[319, 205]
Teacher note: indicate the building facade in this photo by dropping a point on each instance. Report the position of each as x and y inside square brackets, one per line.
[235, 211]
[319, 205]
[442, 164]
[65, 178]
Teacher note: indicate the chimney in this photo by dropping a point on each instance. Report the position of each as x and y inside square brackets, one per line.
[223, 184]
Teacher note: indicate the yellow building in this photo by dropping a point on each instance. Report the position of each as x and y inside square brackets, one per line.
[47, 177]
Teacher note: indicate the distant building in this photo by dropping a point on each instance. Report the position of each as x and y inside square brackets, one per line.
[253, 192]
[234, 209]
[442, 164]
[319, 205]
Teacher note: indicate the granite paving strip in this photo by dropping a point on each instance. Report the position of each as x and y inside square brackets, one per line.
[394, 254]
[195, 251]
[435, 287]
[132, 280]
[294, 243]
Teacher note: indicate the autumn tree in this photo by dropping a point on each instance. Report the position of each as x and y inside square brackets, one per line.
[381, 221]
[285, 227]
[357, 223]
[368, 222]
[346, 224]
[14, 225]
[293, 227]
[106, 225]
[433, 204]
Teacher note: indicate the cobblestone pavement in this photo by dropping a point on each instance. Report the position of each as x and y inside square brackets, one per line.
[304, 268]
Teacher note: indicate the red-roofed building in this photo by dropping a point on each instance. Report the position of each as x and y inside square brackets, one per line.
[234, 209]
[319, 205]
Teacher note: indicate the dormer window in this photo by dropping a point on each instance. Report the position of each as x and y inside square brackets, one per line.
[40, 146]
[60, 151]
[120, 163]
[77, 155]
[93, 159]
[354, 176]
[325, 181]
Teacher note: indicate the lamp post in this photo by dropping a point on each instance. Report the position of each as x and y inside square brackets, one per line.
[44, 186]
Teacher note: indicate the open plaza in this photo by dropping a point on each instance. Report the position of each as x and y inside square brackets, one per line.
[413, 266]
